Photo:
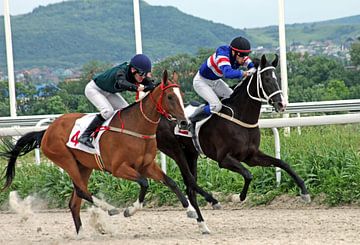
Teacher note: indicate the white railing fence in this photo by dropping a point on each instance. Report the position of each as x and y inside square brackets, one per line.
[16, 126]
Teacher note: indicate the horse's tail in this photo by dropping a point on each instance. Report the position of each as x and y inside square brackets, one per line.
[25, 144]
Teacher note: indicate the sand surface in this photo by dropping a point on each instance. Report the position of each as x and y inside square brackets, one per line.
[272, 224]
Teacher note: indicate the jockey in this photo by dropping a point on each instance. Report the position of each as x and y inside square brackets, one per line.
[103, 88]
[223, 63]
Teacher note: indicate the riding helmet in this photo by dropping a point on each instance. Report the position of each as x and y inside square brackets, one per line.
[241, 46]
[141, 62]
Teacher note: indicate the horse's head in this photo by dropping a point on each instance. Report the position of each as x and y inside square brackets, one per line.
[170, 103]
[267, 85]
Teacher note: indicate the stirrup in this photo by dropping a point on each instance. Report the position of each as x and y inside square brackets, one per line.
[86, 141]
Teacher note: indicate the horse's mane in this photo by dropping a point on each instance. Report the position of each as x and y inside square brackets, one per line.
[240, 87]
[136, 102]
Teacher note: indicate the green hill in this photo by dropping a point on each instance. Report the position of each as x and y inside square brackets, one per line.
[337, 30]
[74, 32]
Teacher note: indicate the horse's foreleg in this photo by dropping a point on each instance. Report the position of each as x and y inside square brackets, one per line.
[234, 165]
[261, 159]
[144, 185]
[154, 172]
[192, 187]
[125, 171]
[189, 168]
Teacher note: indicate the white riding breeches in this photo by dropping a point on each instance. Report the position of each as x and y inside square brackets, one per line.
[211, 90]
[105, 102]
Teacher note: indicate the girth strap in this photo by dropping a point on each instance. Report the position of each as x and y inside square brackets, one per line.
[128, 132]
[99, 162]
[237, 121]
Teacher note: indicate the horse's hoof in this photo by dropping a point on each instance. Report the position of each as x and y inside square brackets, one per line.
[203, 228]
[216, 206]
[191, 214]
[127, 213]
[113, 211]
[242, 197]
[306, 198]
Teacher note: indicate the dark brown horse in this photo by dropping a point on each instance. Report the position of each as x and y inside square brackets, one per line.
[127, 154]
[230, 141]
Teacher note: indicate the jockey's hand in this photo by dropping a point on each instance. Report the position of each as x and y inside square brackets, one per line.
[245, 75]
[149, 87]
[251, 71]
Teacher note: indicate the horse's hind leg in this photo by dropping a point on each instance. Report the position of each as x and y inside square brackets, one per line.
[234, 165]
[261, 159]
[75, 200]
[62, 157]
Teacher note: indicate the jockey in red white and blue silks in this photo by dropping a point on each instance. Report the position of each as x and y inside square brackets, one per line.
[225, 62]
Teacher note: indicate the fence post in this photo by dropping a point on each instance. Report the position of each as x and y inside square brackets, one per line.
[277, 155]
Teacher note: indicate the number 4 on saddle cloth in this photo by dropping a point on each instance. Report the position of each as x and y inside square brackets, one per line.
[79, 127]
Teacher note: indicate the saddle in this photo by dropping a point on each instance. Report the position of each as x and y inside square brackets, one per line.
[189, 110]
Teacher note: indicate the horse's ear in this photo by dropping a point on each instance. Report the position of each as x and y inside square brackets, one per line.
[263, 61]
[175, 77]
[165, 77]
[275, 61]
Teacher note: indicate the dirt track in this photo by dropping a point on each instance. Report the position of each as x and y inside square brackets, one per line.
[267, 225]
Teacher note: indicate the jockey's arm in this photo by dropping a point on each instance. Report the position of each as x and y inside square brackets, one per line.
[122, 84]
[231, 73]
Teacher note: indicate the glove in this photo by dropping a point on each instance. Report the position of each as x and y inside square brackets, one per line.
[149, 87]
[251, 71]
[148, 80]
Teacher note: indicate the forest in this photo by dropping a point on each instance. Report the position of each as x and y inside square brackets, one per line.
[310, 78]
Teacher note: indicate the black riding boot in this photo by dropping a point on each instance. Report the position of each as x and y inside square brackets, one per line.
[85, 137]
[198, 115]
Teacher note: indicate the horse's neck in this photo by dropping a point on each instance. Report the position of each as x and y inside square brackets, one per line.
[141, 117]
[245, 108]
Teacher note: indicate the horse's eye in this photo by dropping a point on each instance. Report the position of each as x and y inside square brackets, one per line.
[170, 97]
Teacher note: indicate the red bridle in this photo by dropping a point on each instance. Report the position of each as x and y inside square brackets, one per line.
[158, 104]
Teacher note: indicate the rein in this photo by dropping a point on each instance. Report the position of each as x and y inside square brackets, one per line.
[259, 86]
[237, 121]
[158, 104]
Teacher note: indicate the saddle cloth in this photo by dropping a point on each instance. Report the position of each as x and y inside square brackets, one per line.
[80, 125]
[189, 110]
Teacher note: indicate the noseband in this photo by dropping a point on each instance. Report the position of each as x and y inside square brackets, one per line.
[260, 87]
[158, 104]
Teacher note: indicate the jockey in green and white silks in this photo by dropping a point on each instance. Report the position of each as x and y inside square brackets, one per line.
[103, 89]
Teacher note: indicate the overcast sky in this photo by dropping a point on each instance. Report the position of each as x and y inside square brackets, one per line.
[236, 13]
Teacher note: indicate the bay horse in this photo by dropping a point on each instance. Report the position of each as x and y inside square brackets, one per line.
[128, 148]
[230, 140]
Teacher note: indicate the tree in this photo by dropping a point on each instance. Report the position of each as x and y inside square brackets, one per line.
[355, 53]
